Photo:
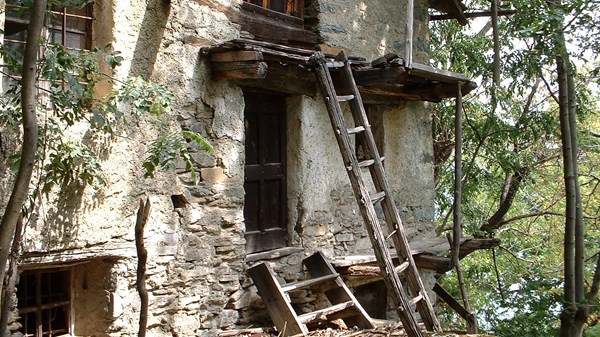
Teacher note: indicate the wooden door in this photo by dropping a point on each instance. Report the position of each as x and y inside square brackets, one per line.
[265, 208]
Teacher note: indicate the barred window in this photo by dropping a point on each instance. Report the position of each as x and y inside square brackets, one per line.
[69, 26]
[44, 302]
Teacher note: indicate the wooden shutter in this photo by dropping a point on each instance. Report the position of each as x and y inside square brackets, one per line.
[265, 208]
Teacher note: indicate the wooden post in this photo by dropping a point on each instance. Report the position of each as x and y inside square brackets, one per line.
[457, 230]
[142, 253]
[410, 9]
[496, 35]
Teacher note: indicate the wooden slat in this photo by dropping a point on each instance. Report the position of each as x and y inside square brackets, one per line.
[308, 283]
[377, 197]
[355, 130]
[416, 299]
[321, 315]
[345, 98]
[402, 267]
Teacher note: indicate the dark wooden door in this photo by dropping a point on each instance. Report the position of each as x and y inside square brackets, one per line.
[265, 208]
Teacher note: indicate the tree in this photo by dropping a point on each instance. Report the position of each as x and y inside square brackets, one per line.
[72, 77]
[513, 169]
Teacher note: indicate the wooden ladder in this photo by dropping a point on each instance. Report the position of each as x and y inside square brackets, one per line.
[325, 279]
[367, 200]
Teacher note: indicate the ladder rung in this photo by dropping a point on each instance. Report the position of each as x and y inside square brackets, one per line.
[402, 267]
[357, 129]
[366, 163]
[414, 301]
[307, 283]
[377, 197]
[320, 315]
[345, 98]
[334, 64]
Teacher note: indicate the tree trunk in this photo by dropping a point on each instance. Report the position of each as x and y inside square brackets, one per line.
[30, 130]
[11, 279]
[142, 253]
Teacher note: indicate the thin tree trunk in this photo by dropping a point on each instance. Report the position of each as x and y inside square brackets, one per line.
[30, 130]
[142, 253]
[11, 279]
[570, 301]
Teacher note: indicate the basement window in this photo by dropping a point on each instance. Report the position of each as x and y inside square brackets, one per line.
[44, 302]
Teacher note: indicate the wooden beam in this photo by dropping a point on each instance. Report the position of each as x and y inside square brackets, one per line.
[239, 70]
[469, 15]
[237, 55]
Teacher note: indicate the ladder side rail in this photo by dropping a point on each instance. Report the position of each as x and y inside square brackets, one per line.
[393, 220]
[362, 195]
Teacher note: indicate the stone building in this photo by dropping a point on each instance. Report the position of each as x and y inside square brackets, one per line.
[274, 189]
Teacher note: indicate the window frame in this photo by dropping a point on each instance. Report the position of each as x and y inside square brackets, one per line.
[40, 280]
[61, 15]
[293, 8]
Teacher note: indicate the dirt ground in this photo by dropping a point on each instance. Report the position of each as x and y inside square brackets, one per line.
[392, 330]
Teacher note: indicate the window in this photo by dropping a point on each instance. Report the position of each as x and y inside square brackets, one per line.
[44, 301]
[265, 209]
[289, 7]
[69, 26]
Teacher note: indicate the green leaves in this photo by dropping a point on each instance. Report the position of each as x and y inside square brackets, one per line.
[72, 161]
[167, 148]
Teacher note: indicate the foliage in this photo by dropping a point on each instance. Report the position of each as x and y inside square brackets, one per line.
[513, 129]
[68, 102]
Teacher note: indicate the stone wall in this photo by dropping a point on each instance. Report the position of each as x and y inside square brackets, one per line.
[197, 261]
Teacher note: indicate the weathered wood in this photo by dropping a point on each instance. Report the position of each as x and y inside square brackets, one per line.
[276, 27]
[239, 70]
[455, 8]
[142, 255]
[410, 18]
[272, 254]
[280, 310]
[258, 10]
[436, 74]
[318, 266]
[321, 315]
[374, 229]
[237, 55]
[285, 79]
[470, 15]
[308, 283]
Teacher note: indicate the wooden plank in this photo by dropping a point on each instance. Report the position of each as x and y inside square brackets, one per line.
[451, 301]
[271, 29]
[380, 76]
[307, 283]
[239, 70]
[236, 55]
[280, 310]
[321, 315]
[432, 73]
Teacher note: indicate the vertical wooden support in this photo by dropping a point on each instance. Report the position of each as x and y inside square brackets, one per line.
[496, 38]
[457, 229]
[410, 15]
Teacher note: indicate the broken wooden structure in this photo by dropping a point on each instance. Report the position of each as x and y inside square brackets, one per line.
[284, 62]
[325, 279]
